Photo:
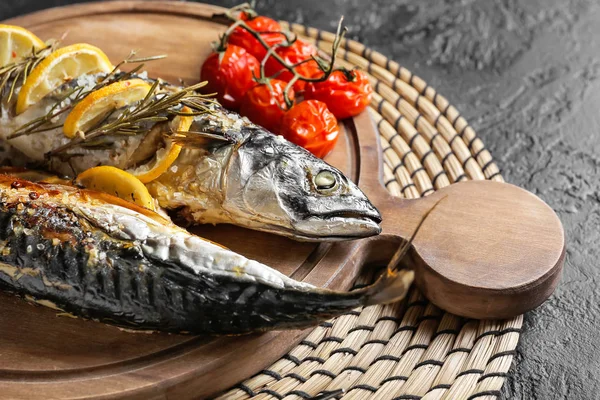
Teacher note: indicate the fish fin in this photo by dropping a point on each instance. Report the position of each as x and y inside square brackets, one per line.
[199, 139]
[395, 283]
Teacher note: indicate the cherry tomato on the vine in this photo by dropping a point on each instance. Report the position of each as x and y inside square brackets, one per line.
[311, 125]
[230, 74]
[241, 37]
[265, 106]
[307, 70]
[293, 54]
[344, 98]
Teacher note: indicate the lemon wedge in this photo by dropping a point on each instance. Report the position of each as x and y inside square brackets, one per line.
[166, 156]
[118, 183]
[98, 104]
[59, 67]
[17, 43]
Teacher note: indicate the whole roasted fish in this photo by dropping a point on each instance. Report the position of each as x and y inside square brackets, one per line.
[229, 171]
[96, 256]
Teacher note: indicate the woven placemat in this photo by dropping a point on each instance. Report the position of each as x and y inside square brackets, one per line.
[411, 349]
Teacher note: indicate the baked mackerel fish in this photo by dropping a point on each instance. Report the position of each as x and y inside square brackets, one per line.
[228, 171]
[99, 257]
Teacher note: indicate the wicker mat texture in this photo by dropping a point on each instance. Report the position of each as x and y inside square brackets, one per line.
[412, 349]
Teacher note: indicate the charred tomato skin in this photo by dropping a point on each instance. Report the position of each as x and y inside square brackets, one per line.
[345, 98]
[264, 104]
[311, 125]
[230, 74]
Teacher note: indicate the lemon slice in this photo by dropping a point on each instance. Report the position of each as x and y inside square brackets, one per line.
[118, 183]
[98, 104]
[59, 67]
[166, 156]
[16, 43]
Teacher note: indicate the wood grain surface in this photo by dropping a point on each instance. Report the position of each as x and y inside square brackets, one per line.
[488, 250]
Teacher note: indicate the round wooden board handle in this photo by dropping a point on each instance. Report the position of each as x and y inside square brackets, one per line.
[488, 250]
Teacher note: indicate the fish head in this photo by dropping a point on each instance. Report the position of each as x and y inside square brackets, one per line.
[284, 189]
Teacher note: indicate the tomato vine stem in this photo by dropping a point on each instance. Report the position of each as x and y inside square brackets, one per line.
[327, 67]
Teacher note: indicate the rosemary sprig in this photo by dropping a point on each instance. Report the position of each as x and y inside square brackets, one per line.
[155, 107]
[13, 73]
[40, 124]
[77, 94]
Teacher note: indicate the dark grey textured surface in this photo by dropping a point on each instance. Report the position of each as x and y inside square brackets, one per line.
[525, 74]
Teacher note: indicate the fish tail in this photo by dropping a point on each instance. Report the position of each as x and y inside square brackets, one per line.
[395, 283]
[393, 286]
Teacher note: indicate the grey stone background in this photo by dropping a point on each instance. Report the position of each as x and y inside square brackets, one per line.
[525, 74]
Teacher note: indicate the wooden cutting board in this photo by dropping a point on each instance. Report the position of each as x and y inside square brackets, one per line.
[71, 358]
[44, 355]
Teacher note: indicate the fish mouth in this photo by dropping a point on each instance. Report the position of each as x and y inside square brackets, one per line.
[338, 225]
[372, 216]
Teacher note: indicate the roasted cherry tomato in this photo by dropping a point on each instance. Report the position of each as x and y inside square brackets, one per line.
[230, 74]
[293, 54]
[265, 106]
[311, 125]
[307, 70]
[241, 37]
[344, 98]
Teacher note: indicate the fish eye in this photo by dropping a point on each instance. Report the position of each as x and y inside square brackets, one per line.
[325, 180]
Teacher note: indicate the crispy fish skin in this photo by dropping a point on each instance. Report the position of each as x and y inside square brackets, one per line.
[241, 175]
[99, 257]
